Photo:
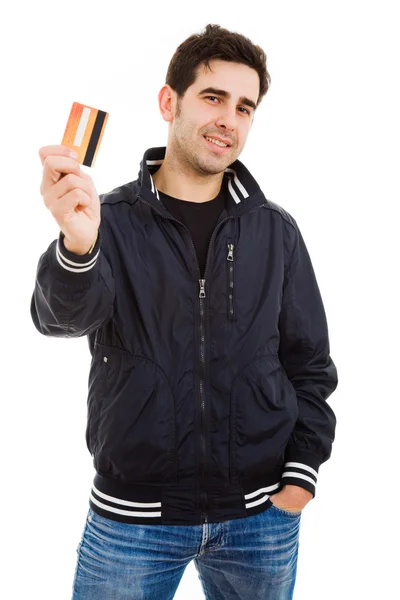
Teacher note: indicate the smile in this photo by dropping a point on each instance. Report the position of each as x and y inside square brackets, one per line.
[216, 145]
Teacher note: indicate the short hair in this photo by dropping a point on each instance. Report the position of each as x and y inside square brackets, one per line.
[215, 43]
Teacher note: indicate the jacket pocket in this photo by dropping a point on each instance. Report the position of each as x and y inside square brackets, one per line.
[230, 269]
[134, 426]
[263, 414]
[95, 398]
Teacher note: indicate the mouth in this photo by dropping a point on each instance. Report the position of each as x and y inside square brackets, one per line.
[216, 148]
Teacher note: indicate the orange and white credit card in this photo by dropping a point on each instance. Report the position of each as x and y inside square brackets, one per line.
[84, 132]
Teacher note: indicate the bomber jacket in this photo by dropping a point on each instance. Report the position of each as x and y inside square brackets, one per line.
[207, 394]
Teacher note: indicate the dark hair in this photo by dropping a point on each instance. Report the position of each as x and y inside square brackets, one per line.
[215, 43]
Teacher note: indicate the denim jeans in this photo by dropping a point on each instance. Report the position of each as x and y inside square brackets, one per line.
[253, 558]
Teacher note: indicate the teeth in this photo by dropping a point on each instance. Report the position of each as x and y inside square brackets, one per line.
[216, 142]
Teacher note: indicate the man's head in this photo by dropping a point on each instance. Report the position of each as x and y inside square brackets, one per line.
[214, 83]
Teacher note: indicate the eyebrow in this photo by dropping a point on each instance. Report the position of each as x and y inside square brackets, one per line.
[225, 94]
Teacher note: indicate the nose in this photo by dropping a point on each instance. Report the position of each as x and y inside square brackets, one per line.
[227, 118]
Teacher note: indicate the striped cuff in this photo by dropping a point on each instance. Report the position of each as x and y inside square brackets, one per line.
[72, 267]
[300, 474]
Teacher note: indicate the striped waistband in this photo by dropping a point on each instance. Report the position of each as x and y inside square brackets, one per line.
[178, 504]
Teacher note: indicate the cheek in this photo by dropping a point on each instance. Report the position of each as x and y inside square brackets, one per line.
[196, 121]
[184, 128]
[243, 133]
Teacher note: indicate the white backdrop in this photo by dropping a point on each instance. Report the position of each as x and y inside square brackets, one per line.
[324, 145]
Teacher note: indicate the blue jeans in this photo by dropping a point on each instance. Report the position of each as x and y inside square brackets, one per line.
[253, 558]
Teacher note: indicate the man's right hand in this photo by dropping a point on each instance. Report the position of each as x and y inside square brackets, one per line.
[71, 197]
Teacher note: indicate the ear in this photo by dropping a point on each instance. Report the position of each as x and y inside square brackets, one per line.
[166, 103]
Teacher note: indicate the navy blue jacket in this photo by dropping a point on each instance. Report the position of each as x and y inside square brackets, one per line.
[208, 395]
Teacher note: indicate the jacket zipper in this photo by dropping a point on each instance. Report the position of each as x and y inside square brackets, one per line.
[202, 296]
[229, 258]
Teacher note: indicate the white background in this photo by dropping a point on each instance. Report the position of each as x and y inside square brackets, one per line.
[324, 145]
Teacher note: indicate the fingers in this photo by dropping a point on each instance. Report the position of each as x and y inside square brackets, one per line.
[67, 193]
[70, 195]
[54, 167]
[55, 150]
[66, 206]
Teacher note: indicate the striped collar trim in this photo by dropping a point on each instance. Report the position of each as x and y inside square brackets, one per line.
[241, 184]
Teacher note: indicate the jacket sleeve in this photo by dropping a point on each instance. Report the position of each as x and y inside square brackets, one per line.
[305, 356]
[73, 295]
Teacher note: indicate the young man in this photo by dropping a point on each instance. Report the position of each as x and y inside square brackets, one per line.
[207, 412]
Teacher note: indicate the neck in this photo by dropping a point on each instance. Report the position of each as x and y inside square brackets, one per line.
[180, 181]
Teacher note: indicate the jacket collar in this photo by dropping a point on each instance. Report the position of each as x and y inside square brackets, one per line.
[242, 191]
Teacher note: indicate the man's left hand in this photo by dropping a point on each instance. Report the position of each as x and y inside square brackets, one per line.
[291, 498]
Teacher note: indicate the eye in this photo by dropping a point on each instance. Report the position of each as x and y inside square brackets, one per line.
[240, 107]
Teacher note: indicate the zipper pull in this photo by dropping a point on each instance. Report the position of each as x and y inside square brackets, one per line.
[202, 291]
[230, 253]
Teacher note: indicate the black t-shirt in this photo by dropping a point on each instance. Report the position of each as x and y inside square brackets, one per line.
[199, 217]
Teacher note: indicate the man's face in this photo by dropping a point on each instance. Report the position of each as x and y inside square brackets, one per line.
[200, 114]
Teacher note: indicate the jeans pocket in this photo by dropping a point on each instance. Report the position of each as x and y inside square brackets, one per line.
[287, 513]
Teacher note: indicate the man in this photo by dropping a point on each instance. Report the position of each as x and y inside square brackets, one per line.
[207, 412]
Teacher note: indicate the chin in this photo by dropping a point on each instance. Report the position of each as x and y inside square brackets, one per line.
[213, 167]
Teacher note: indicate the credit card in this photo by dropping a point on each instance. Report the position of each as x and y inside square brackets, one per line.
[84, 132]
